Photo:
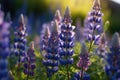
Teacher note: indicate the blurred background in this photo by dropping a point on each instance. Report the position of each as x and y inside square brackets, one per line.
[38, 12]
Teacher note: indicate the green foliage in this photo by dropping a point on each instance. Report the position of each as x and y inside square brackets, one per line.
[95, 70]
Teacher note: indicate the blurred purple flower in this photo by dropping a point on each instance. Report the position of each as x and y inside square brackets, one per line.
[79, 37]
[29, 61]
[45, 35]
[102, 47]
[112, 67]
[51, 47]
[84, 61]
[4, 46]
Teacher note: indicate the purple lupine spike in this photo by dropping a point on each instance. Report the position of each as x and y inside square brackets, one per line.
[66, 41]
[51, 57]
[77, 76]
[94, 23]
[20, 39]
[112, 67]
[115, 43]
[102, 46]
[84, 61]
[4, 47]
[44, 40]
[29, 61]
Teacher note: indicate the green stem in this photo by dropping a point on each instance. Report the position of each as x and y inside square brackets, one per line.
[90, 46]
[68, 72]
[27, 77]
[18, 69]
[81, 77]
[91, 42]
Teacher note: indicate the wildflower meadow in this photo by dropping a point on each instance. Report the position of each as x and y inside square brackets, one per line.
[61, 50]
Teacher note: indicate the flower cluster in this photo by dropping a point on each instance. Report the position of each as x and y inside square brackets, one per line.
[44, 40]
[4, 47]
[51, 58]
[112, 68]
[102, 46]
[94, 23]
[66, 39]
[84, 61]
[20, 39]
[29, 61]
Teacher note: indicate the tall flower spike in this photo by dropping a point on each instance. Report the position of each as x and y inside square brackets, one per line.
[44, 40]
[102, 46]
[4, 47]
[51, 57]
[84, 61]
[115, 41]
[29, 61]
[66, 41]
[95, 23]
[112, 67]
[20, 39]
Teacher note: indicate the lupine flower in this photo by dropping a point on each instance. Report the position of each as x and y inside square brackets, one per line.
[4, 47]
[84, 61]
[29, 61]
[112, 67]
[102, 47]
[77, 76]
[52, 57]
[94, 22]
[44, 40]
[20, 39]
[67, 39]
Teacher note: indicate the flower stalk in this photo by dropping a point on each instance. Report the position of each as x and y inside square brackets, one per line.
[20, 43]
[4, 47]
[66, 41]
